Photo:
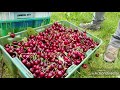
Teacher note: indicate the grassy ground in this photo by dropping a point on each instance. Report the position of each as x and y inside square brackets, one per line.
[108, 27]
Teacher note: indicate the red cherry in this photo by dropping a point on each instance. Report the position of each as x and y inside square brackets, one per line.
[12, 35]
[97, 55]
[42, 74]
[84, 66]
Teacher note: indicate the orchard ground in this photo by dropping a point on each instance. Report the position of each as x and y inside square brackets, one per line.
[97, 67]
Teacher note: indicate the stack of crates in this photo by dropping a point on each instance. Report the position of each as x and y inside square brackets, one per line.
[19, 21]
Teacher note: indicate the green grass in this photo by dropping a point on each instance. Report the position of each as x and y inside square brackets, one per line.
[108, 27]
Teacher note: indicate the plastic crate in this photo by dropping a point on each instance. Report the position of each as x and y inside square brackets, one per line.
[38, 23]
[23, 15]
[20, 25]
[41, 14]
[4, 15]
[15, 63]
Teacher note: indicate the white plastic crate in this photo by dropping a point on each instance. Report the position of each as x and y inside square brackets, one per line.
[15, 15]
[23, 15]
[4, 15]
[42, 14]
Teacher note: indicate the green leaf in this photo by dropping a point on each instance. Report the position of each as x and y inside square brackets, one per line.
[31, 31]
[24, 39]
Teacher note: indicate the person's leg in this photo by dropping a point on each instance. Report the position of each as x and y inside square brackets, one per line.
[113, 47]
[98, 17]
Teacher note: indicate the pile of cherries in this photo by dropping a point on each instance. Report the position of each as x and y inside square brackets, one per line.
[50, 53]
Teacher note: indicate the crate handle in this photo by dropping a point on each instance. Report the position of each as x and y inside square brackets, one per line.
[89, 52]
[71, 68]
[22, 68]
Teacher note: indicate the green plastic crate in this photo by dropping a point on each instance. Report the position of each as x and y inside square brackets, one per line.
[19, 25]
[15, 65]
